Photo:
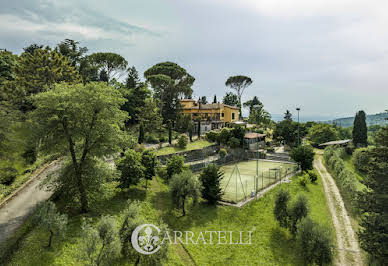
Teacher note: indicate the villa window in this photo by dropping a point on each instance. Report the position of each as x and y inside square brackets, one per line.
[232, 115]
[222, 115]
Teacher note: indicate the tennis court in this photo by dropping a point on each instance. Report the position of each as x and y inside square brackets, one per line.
[239, 179]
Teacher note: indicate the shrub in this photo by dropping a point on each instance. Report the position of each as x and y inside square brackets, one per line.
[313, 176]
[270, 149]
[315, 243]
[8, 175]
[152, 139]
[303, 180]
[304, 156]
[223, 153]
[175, 165]
[140, 148]
[361, 159]
[297, 212]
[131, 168]
[224, 135]
[281, 208]
[162, 173]
[212, 136]
[234, 142]
[163, 139]
[183, 140]
[339, 165]
[211, 178]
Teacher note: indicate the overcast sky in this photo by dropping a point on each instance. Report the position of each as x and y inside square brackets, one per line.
[330, 57]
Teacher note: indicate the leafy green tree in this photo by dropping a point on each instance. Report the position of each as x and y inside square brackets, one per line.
[288, 116]
[373, 202]
[133, 80]
[72, 51]
[46, 216]
[304, 156]
[257, 114]
[315, 243]
[297, 212]
[8, 63]
[281, 211]
[211, 178]
[286, 131]
[182, 123]
[239, 84]
[112, 64]
[203, 100]
[88, 70]
[100, 245]
[230, 99]
[321, 133]
[169, 81]
[175, 165]
[40, 71]
[141, 134]
[80, 121]
[149, 161]
[183, 186]
[131, 168]
[32, 48]
[360, 130]
[149, 116]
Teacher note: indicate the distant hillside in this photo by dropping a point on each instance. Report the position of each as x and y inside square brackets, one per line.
[376, 119]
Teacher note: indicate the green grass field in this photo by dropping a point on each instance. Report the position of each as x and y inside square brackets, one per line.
[239, 183]
[199, 144]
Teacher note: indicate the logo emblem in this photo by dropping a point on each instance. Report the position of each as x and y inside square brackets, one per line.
[145, 239]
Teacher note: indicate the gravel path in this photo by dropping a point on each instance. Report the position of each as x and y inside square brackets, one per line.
[347, 244]
[17, 209]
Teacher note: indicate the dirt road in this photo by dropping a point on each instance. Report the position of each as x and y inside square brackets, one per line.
[16, 210]
[347, 244]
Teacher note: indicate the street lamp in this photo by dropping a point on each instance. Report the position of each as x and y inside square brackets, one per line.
[298, 109]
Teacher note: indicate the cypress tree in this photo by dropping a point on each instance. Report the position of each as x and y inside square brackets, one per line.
[199, 128]
[215, 99]
[360, 130]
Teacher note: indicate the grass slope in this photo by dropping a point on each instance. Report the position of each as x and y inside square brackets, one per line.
[199, 144]
[271, 245]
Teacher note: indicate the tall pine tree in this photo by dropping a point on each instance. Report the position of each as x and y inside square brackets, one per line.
[360, 130]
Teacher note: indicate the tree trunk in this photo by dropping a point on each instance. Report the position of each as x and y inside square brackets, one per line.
[51, 238]
[82, 192]
[183, 207]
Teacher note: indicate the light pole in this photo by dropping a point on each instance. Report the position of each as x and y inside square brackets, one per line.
[298, 109]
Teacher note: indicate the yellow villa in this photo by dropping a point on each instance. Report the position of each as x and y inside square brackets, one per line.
[213, 115]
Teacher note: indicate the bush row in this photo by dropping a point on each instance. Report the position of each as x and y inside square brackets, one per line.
[345, 178]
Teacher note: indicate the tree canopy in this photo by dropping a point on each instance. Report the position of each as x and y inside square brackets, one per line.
[230, 99]
[82, 122]
[239, 84]
[169, 81]
[113, 64]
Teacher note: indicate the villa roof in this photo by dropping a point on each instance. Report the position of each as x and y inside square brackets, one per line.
[253, 135]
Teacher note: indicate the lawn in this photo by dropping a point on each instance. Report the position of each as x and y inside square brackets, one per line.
[239, 182]
[198, 144]
[271, 245]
